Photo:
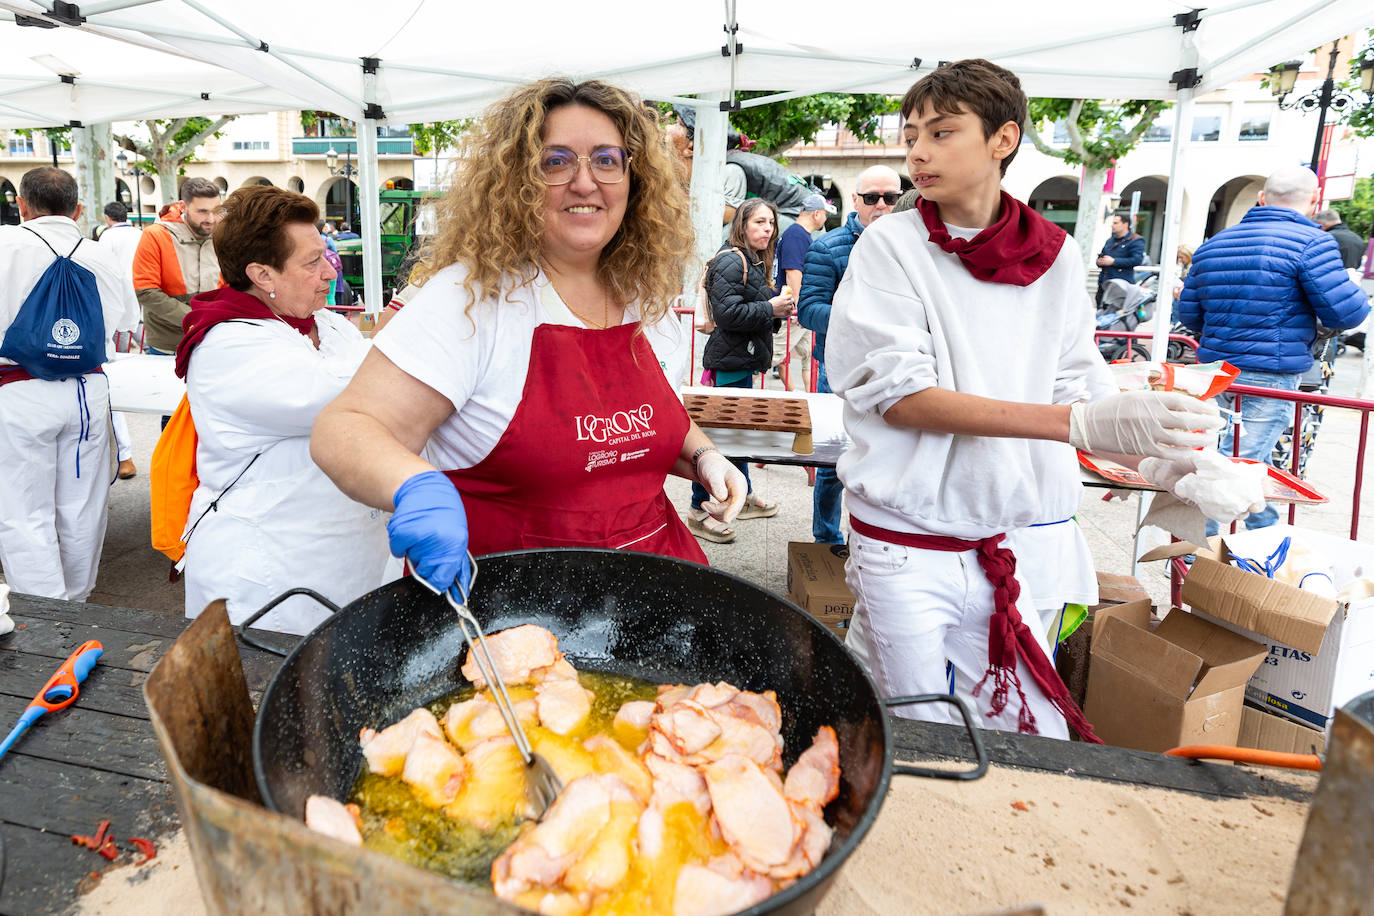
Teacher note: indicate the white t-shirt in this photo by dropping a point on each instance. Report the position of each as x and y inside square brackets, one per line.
[480, 361]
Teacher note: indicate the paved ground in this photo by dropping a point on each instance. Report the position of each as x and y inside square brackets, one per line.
[132, 574]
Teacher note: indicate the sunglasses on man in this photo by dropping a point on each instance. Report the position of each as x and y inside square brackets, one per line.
[888, 197]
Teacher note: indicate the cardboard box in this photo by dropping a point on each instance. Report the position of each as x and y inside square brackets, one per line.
[1267, 732]
[1320, 651]
[1182, 684]
[1118, 595]
[1115, 588]
[815, 582]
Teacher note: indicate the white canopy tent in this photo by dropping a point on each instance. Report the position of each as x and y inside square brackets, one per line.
[424, 60]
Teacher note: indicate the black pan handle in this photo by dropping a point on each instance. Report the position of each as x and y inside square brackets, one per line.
[979, 752]
[243, 627]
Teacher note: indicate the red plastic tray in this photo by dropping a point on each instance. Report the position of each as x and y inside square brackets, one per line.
[1280, 486]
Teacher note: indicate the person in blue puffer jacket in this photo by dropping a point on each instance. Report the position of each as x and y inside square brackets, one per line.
[1257, 294]
[877, 191]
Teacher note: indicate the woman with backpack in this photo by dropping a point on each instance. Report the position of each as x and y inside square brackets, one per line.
[261, 357]
[747, 312]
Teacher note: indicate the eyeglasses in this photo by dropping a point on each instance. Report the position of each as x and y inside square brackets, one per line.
[607, 164]
[888, 197]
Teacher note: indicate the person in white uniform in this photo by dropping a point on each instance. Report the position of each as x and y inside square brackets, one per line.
[121, 238]
[261, 357]
[961, 342]
[54, 436]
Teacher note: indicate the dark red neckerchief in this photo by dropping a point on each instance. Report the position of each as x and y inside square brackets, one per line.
[1017, 249]
[1008, 636]
[225, 304]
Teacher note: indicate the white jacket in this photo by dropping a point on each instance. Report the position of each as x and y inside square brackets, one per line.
[255, 388]
[908, 316]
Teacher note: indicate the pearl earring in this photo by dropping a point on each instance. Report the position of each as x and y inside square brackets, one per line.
[272, 294]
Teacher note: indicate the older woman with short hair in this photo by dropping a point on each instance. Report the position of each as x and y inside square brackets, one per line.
[536, 370]
[261, 357]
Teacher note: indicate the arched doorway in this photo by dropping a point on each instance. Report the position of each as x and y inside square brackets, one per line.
[1056, 199]
[399, 184]
[223, 184]
[9, 209]
[294, 183]
[340, 200]
[123, 194]
[256, 180]
[1230, 202]
[1148, 223]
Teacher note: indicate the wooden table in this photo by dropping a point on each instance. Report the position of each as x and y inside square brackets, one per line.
[95, 760]
[98, 759]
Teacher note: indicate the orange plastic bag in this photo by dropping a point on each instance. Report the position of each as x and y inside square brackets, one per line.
[173, 481]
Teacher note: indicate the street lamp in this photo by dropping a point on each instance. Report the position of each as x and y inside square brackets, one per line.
[346, 171]
[122, 164]
[1283, 77]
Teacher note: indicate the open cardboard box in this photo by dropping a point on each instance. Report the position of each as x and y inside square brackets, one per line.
[1182, 684]
[1319, 650]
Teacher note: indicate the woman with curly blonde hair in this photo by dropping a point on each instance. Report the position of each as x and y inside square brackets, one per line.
[536, 368]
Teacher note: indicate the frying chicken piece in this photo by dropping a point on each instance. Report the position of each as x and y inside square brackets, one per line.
[542, 855]
[669, 694]
[741, 737]
[754, 817]
[675, 782]
[815, 778]
[516, 653]
[687, 725]
[607, 862]
[563, 705]
[611, 757]
[704, 891]
[561, 670]
[386, 750]
[631, 724]
[810, 848]
[712, 695]
[494, 791]
[333, 818]
[473, 721]
[434, 770]
[762, 708]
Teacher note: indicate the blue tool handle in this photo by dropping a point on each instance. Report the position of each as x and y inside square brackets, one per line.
[62, 688]
[85, 662]
[28, 717]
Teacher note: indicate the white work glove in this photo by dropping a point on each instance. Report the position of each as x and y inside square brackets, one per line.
[1158, 423]
[1222, 489]
[725, 483]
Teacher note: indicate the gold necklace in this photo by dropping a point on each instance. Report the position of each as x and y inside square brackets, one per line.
[605, 308]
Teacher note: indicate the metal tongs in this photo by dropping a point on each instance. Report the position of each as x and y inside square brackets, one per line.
[542, 784]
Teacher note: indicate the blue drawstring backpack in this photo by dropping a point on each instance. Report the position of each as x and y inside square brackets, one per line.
[60, 329]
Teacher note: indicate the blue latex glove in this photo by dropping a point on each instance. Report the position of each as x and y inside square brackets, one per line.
[430, 528]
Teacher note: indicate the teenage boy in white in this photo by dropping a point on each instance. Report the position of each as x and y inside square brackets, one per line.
[961, 342]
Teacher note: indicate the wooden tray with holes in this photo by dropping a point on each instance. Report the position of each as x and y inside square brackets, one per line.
[785, 415]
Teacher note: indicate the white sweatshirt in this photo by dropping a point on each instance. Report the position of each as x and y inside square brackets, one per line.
[908, 316]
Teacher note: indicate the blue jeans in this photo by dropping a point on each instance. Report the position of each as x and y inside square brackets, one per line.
[825, 501]
[1264, 420]
[699, 494]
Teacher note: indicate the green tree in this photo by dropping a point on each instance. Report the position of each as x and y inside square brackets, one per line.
[437, 135]
[1361, 117]
[1100, 132]
[170, 146]
[1358, 211]
[781, 125]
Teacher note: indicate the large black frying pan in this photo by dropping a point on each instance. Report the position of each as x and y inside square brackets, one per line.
[627, 613]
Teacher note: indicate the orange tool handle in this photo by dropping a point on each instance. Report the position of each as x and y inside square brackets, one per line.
[63, 687]
[1248, 755]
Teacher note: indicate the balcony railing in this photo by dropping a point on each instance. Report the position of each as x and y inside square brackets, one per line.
[348, 146]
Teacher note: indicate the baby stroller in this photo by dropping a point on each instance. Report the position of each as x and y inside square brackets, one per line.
[1124, 307]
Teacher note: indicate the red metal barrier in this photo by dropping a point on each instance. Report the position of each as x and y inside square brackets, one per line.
[1146, 335]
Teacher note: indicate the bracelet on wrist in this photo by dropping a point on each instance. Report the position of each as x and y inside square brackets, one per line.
[696, 458]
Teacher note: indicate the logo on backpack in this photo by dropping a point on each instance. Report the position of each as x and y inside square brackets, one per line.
[65, 332]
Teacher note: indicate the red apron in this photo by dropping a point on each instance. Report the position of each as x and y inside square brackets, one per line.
[582, 464]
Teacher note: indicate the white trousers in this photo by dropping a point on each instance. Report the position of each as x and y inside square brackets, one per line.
[917, 609]
[52, 521]
[123, 444]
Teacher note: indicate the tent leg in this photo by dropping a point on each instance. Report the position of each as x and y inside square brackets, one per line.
[370, 229]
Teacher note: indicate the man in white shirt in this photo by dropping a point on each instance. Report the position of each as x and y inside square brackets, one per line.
[54, 440]
[121, 238]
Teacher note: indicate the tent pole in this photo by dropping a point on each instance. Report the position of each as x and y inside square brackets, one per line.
[1173, 221]
[708, 164]
[370, 214]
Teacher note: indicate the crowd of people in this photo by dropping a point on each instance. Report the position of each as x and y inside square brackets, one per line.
[523, 390]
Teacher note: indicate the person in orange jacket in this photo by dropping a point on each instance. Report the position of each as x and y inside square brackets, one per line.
[176, 260]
